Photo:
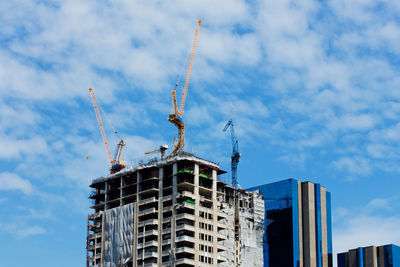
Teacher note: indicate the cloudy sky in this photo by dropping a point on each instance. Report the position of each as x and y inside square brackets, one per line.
[313, 88]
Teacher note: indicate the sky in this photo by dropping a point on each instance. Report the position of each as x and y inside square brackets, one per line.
[312, 87]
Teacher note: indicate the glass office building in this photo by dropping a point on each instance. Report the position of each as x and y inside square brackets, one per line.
[298, 224]
[382, 256]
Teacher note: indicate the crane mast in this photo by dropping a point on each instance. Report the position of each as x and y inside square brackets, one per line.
[235, 152]
[234, 163]
[176, 116]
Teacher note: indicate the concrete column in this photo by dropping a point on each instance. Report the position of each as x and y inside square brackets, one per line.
[300, 212]
[173, 217]
[160, 214]
[324, 231]
[139, 185]
[196, 213]
[135, 223]
[370, 257]
[121, 191]
[106, 196]
[215, 217]
[135, 233]
[103, 222]
[309, 240]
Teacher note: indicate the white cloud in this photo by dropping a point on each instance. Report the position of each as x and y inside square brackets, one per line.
[21, 232]
[30, 231]
[362, 231]
[353, 166]
[366, 226]
[11, 181]
[11, 148]
[353, 122]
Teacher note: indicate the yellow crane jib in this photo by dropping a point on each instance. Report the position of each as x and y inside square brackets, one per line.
[118, 162]
[176, 116]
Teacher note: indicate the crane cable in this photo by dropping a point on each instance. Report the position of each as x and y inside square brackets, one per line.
[183, 67]
[105, 115]
[109, 121]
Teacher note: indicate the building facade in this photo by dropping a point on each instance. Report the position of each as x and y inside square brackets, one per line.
[381, 256]
[298, 224]
[173, 212]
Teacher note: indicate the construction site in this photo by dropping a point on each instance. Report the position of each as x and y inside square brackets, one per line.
[176, 210]
[173, 210]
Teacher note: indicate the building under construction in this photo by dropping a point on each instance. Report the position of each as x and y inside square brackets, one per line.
[173, 212]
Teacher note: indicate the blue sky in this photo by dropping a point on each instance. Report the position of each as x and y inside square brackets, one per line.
[313, 88]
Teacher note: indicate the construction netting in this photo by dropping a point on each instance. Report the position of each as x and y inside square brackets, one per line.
[118, 235]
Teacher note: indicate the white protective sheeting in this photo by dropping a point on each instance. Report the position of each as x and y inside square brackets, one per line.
[229, 232]
[251, 232]
[118, 235]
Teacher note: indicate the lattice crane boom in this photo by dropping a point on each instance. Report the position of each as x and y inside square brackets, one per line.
[118, 162]
[176, 114]
[189, 72]
[103, 134]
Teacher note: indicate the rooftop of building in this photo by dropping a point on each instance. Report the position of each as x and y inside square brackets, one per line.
[159, 163]
[385, 246]
[280, 182]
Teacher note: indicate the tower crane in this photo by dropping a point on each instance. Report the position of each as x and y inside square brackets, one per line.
[117, 163]
[176, 114]
[234, 163]
[235, 153]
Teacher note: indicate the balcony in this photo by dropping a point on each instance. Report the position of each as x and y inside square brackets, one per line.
[148, 244]
[148, 222]
[185, 216]
[97, 205]
[149, 190]
[185, 227]
[147, 255]
[185, 261]
[221, 257]
[166, 242]
[166, 198]
[221, 236]
[148, 233]
[184, 238]
[147, 211]
[221, 247]
[95, 215]
[184, 250]
[147, 201]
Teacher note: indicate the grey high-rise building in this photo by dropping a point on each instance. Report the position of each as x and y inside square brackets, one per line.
[298, 224]
[173, 212]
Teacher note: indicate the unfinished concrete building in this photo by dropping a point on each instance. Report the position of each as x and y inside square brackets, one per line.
[173, 212]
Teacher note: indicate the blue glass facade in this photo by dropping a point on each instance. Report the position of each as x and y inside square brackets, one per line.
[278, 198]
[383, 256]
[284, 225]
[329, 229]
